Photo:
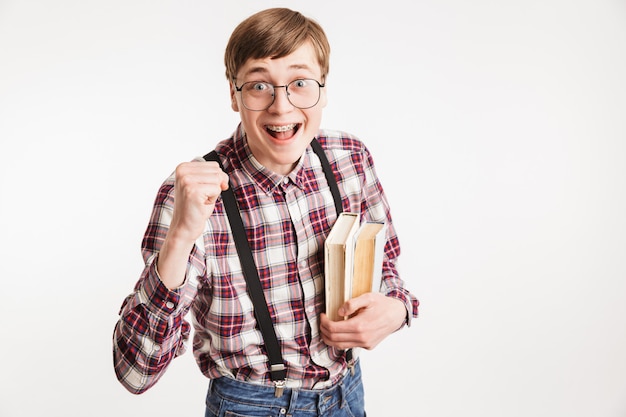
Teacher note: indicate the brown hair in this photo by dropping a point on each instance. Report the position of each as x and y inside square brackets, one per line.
[274, 33]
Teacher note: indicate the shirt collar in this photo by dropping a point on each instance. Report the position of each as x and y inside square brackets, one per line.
[266, 179]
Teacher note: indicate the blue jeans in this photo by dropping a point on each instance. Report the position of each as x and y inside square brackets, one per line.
[230, 398]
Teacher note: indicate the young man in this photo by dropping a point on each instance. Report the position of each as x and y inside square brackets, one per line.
[276, 62]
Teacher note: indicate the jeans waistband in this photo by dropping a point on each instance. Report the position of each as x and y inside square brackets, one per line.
[292, 399]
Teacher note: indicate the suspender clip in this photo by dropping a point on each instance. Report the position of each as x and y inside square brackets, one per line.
[279, 384]
[279, 387]
[351, 361]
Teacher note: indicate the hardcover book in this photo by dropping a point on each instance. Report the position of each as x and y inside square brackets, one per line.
[353, 255]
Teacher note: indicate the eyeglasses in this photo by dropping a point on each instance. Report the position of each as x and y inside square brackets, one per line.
[302, 93]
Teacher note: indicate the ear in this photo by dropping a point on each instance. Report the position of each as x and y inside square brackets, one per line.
[233, 97]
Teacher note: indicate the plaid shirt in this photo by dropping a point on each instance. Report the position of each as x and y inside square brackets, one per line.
[287, 219]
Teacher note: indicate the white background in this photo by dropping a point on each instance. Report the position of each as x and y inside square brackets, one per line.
[498, 129]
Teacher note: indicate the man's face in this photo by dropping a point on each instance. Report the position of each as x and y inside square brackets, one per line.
[279, 135]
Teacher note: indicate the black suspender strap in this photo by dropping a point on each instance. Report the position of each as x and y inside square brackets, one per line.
[255, 290]
[250, 272]
[330, 176]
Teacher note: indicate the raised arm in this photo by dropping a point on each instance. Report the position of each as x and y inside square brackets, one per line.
[151, 330]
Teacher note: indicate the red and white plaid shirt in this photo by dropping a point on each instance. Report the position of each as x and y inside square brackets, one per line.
[287, 219]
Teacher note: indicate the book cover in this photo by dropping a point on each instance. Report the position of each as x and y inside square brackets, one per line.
[369, 243]
[338, 252]
[353, 260]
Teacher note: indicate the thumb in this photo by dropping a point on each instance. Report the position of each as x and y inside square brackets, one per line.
[352, 306]
[224, 183]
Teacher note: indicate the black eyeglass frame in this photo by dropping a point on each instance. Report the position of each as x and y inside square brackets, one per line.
[286, 87]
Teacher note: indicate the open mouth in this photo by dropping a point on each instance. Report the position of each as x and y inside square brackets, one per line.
[282, 131]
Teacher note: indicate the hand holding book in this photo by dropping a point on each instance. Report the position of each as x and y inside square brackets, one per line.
[372, 317]
[353, 261]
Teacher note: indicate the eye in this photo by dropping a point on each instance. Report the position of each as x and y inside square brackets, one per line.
[300, 83]
[256, 87]
[259, 86]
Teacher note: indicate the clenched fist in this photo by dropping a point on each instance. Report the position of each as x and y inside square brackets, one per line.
[197, 186]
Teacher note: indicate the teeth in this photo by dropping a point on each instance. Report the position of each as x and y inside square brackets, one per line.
[283, 128]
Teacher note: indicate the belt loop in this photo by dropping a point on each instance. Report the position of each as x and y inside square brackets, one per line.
[293, 400]
[342, 394]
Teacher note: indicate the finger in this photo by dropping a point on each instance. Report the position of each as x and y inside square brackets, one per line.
[211, 175]
[223, 180]
[341, 329]
[343, 338]
[353, 305]
[202, 181]
[201, 169]
[188, 191]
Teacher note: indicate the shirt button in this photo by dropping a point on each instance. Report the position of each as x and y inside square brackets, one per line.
[303, 264]
[310, 309]
[285, 180]
[169, 305]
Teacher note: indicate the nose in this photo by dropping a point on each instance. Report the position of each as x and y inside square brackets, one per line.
[281, 102]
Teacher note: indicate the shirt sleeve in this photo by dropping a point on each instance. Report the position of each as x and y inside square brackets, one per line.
[374, 205]
[152, 330]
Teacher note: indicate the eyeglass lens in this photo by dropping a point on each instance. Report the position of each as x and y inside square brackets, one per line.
[302, 93]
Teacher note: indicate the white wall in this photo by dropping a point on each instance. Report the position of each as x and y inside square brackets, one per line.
[498, 129]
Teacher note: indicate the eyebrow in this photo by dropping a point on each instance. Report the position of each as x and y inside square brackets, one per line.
[263, 70]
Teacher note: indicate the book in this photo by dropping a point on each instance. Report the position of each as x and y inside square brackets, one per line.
[368, 258]
[353, 260]
[338, 251]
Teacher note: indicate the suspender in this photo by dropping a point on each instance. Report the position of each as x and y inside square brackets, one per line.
[330, 177]
[250, 272]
